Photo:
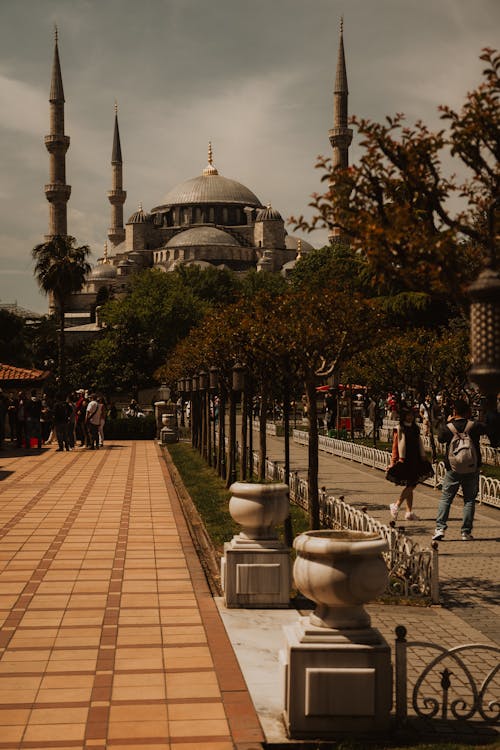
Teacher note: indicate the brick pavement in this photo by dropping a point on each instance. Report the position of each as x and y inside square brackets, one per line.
[109, 637]
[469, 571]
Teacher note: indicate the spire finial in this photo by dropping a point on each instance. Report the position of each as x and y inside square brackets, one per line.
[210, 169]
[56, 33]
[299, 249]
[116, 107]
[106, 259]
[341, 24]
[140, 206]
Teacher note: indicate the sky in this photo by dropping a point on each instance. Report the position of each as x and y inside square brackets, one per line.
[256, 78]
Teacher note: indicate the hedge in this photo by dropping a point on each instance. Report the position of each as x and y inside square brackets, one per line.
[130, 428]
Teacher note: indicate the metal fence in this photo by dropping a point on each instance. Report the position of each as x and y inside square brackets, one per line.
[489, 488]
[466, 692]
[413, 572]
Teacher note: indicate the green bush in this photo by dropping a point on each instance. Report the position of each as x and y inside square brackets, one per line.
[340, 434]
[130, 428]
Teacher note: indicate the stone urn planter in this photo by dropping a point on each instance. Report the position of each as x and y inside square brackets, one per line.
[340, 571]
[258, 508]
[256, 567]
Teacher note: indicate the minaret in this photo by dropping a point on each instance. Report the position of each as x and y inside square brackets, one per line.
[340, 135]
[116, 196]
[57, 192]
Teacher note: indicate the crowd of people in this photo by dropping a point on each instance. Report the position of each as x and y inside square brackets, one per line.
[71, 420]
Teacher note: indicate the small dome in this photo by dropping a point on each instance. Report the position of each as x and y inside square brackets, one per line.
[268, 214]
[102, 271]
[140, 217]
[199, 236]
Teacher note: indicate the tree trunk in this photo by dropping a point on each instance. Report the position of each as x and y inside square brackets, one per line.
[312, 469]
[231, 464]
[244, 435]
[262, 435]
[221, 461]
[288, 528]
[250, 430]
[61, 364]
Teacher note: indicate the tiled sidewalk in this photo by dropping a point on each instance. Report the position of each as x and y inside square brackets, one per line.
[109, 637]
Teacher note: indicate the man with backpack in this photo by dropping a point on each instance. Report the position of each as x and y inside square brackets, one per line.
[462, 461]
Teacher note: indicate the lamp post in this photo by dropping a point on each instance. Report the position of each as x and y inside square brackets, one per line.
[238, 375]
[180, 391]
[204, 418]
[214, 385]
[484, 294]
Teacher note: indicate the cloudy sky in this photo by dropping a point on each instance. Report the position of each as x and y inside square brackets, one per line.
[254, 77]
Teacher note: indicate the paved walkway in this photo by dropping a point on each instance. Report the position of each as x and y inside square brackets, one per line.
[469, 571]
[109, 637]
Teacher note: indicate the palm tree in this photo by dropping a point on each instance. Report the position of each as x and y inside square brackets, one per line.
[60, 269]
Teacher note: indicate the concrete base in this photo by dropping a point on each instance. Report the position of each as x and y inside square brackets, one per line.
[335, 681]
[256, 573]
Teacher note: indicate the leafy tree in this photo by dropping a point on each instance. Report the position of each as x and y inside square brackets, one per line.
[211, 284]
[60, 269]
[140, 329]
[398, 214]
[13, 344]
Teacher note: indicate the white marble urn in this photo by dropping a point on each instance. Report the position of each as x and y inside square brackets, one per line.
[340, 571]
[258, 508]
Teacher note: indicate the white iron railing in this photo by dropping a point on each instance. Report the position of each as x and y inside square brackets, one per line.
[489, 488]
[413, 572]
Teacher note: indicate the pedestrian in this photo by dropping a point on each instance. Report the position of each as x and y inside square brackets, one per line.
[409, 464]
[62, 414]
[3, 415]
[21, 419]
[33, 413]
[12, 416]
[425, 411]
[46, 419]
[462, 464]
[71, 400]
[92, 420]
[80, 414]
[102, 420]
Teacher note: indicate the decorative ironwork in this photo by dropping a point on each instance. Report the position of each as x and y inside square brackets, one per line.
[466, 691]
[489, 488]
[413, 572]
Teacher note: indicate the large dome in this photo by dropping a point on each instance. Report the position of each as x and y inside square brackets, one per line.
[211, 188]
[201, 236]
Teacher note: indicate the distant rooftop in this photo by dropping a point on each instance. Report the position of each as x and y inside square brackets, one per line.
[11, 373]
[22, 312]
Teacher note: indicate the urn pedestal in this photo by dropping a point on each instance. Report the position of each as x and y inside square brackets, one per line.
[256, 567]
[336, 668]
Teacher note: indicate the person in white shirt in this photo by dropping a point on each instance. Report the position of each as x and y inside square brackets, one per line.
[93, 420]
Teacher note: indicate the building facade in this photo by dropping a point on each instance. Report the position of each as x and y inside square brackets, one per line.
[208, 220]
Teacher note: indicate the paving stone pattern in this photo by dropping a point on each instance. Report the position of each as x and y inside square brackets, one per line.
[469, 571]
[109, 636]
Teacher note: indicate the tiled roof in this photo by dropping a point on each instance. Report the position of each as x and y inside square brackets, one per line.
[9, 372]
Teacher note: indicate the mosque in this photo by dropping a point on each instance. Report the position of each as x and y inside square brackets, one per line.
[206, 220]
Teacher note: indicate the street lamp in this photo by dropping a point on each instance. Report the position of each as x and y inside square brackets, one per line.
[204, 423]
[484, 294]
[214, 385]
[238, 383]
